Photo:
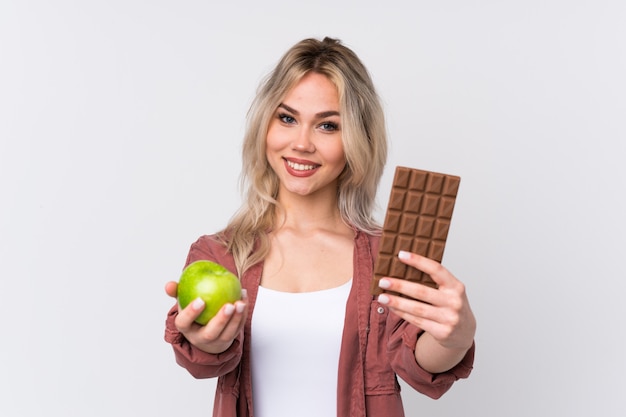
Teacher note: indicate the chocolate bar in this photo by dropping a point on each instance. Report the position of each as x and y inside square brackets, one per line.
[417, 220]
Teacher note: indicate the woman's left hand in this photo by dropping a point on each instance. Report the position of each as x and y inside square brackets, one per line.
[444, 313]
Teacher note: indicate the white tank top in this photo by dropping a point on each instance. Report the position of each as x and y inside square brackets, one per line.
[295, 343]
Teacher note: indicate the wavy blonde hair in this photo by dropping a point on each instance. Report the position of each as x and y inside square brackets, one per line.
[364, 139]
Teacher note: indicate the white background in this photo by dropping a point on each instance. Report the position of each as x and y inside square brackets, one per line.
[121, 125]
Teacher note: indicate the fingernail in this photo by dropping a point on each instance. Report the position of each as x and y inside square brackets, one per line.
[384, 283]
[228, 310]
[244, 293]
[383, 299]
[198, 304]
[404, 255]
[239, 307]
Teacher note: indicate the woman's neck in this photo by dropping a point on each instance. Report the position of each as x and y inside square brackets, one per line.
[309, 212]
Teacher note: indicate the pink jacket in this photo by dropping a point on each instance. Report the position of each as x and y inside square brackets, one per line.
[376, 347]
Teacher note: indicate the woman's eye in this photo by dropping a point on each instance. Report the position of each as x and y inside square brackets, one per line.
[285, 118]
[329, 126]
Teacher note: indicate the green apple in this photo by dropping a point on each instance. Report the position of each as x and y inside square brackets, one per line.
[210, 281]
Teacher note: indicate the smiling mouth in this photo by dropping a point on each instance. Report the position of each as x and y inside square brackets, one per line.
[301, 167]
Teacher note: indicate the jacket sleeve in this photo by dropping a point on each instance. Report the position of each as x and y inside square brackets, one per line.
[401, 348]
[198, 363]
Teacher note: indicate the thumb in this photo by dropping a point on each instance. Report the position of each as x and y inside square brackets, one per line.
[171, 288]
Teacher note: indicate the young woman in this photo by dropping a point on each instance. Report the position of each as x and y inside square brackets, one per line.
[308, 338]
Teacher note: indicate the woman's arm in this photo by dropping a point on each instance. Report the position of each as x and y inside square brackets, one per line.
[216, 348]
[443, 313]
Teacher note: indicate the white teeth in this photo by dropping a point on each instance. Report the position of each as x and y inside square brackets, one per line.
[300, 167]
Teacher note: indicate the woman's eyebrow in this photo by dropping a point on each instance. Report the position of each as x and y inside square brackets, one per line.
[328, 113]
[289, 109]
[319, 115]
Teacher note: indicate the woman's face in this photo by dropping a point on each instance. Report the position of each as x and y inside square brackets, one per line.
[304, 144]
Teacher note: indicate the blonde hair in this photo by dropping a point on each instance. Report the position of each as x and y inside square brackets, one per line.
[363, 134]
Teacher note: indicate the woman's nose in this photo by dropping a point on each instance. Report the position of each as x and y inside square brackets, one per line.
[302, 141]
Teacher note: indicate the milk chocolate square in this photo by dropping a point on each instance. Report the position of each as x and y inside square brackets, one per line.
[417, 220]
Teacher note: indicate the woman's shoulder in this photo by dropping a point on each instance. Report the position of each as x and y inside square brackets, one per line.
[211, 247]
[367, 241]
[370, 236]
[214, 239]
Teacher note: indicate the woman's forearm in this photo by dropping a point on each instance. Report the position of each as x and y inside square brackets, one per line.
[434, 358]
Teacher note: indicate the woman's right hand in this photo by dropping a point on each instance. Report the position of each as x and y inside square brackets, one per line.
[220, 332]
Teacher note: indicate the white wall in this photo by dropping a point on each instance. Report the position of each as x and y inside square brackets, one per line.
[120, 129]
